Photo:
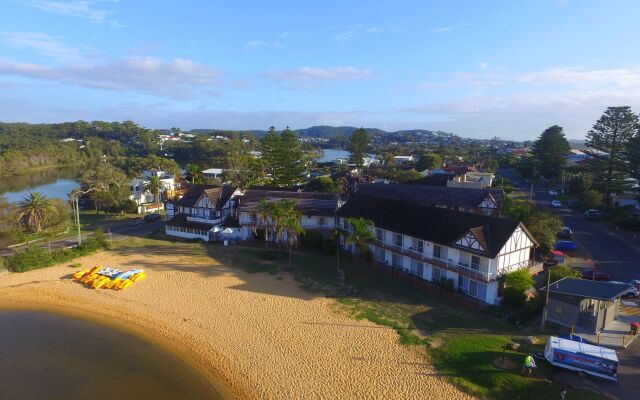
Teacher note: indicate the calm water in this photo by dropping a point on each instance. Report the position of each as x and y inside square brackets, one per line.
[47, 356]
[54, 183]
[332, 155]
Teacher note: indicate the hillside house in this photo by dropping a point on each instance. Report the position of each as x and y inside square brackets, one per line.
[434, 243]
[201, 210]
[146, 200]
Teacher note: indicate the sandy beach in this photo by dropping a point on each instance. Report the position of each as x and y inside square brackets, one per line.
[254, 335]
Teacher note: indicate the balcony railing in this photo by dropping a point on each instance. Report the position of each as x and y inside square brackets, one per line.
[438, 262]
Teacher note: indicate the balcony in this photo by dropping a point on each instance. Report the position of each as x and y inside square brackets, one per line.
[450, 265]
[203, 219]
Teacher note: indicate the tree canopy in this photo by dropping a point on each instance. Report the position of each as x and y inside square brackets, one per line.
[358, 147]
[550, 151]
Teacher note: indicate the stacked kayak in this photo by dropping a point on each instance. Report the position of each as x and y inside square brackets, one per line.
[109, 278]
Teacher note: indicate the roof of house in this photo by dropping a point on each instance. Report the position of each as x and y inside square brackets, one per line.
[308, 203]
[433, 195]
[218, 195]
[434, 180]
[588, 288]
[435, 224]
[181, 221]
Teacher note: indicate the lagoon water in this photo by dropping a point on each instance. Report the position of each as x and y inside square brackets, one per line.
[55, 183]
[50, 356]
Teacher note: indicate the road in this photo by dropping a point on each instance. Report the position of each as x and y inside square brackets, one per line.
[115, 231]
[610, 253]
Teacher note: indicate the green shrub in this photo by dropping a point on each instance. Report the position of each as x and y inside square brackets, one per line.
[562, 271]
[33, 257]
[513, 298]
[530, 310]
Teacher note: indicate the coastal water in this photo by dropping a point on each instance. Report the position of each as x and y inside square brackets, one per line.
[331, 155]
[54, 183]
[49, 356]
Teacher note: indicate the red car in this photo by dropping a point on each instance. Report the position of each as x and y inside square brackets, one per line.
[595, 275]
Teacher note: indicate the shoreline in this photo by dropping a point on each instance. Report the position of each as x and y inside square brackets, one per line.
[132, 325]
[251, 335]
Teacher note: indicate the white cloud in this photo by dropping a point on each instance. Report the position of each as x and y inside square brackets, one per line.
[344, 36]
[254, 44]
[374, 30]
[582, 77]
[80, 8]
[310, 77]
[179, 78]
[41, 43]
[483, 66]
[442, 29]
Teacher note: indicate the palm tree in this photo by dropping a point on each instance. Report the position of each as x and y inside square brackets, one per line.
[287, 224]
[35, 209]
[360, 235]
[194, 172]
[154, 186]
[264, 211]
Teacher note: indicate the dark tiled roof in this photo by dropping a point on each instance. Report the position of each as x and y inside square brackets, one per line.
[218, 195]
[437, 225]
[589, 289]
[308, 203]
[433, 195]
[181, 221]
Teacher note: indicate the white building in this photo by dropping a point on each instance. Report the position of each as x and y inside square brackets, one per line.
[436, 244]
[318, 209]
[203, 212]
[146, 200]
[213, 172]
[399, 160]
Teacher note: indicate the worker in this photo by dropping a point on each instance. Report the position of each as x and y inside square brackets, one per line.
[528, 365]
[563, 393]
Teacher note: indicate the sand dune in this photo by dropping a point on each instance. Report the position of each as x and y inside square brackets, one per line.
[255, 335]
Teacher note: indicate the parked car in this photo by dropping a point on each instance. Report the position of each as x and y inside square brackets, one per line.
[595, 275]
[631, 293]
[149, 218]
[593, 215]
[556, 204]
[553, 192]
[565, 233]
[566, 245]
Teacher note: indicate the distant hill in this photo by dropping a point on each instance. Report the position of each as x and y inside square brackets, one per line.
[332, 132]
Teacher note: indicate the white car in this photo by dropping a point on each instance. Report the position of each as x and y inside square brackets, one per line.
[553, 192]
[556, 204]
[631, 293]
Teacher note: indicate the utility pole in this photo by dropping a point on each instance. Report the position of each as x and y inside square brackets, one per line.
[546, 301]
[531, 195]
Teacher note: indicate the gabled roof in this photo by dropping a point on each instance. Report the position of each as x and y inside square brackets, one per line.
[435, 224]
[308, 203]
[433, 195]
[218, 195]
[588, 288]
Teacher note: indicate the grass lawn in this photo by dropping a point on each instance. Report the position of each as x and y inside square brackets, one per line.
[465, 345]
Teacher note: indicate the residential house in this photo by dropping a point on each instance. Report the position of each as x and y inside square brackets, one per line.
[576, 156]
[472, 180]
[399, 160]
[212, 173]
[146, 200]
[481, 201]
[318, 209]
[435, 244]
[201, 210]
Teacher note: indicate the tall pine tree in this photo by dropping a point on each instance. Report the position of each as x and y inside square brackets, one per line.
[608, 141]
[290, 163]
[550, 151]
[358, 147]
[271, 144]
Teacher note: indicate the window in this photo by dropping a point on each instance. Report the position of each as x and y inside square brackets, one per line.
[418, 245]
[435, 276]
[397, 239]
[396, 260]
[381, 255]
[253, 218]
[380, 234]
[473, 288]
[322, 221]
[475, 262]
[437, 251]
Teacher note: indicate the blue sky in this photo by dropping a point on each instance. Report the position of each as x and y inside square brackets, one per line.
[478, 69]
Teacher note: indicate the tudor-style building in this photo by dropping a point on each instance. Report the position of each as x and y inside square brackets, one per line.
[318, 209]
[433, 243]
[201, 210]
[478, 201]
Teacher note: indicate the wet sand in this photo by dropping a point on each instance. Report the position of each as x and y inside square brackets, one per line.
[252, 335]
